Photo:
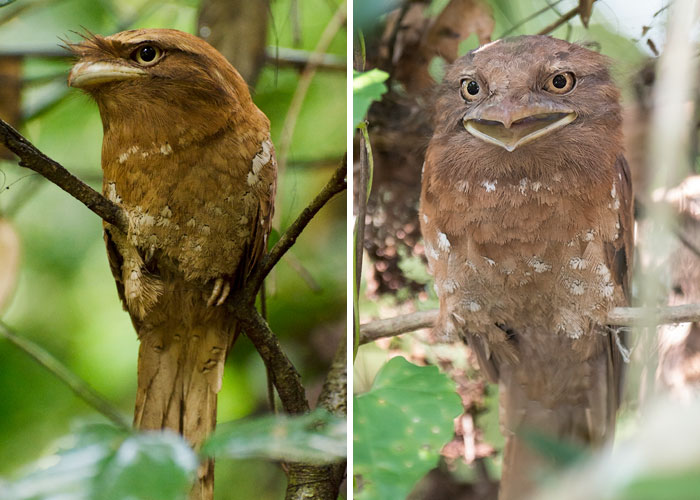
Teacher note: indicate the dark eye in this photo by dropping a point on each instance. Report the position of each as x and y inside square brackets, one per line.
[470, 89]
[561, 83]
[147, 55]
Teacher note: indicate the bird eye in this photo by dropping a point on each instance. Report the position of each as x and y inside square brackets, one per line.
[147, 55]
[470, 89]
[561, 83]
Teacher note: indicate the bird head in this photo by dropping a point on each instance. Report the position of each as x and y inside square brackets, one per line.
[159, 76]
[532, 93]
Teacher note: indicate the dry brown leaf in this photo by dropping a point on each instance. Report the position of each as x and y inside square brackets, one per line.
[10, 87]
[9, 261]
[585, 8]
[457, 22]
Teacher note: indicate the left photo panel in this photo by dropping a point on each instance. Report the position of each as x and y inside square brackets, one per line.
[173, 240]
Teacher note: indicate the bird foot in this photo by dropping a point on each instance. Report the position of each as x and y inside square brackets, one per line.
[221, 290]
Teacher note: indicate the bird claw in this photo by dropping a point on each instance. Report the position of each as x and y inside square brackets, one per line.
[221, 290]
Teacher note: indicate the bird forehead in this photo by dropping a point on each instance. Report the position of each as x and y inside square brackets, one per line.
[165, 38]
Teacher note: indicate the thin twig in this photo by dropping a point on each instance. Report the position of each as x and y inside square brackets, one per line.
[290, 120]
[335, 185]
[363, 190]
[564, 18]
[529, 18]
[79, 387]
[33, 159]
[620, 316]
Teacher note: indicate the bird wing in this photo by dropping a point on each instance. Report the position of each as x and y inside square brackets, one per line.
[619, 254]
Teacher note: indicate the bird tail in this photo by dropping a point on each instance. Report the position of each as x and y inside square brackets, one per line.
[179, 376]
[568, 396]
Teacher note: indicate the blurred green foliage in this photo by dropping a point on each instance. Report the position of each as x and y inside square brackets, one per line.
[66, 299]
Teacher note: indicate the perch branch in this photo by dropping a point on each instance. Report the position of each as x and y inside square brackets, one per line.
[79, 387]
[33, 159]
[620, 316]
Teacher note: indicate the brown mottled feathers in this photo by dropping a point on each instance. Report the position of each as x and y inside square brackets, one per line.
[526, 213]
[187, 154]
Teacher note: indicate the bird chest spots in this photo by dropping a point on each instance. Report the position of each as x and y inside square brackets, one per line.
[578, 264]
[443, 242]
[425, 219]
[218, 212]
[166, 212]
[489, 186]
[191, 222]
[607, 290]
[523, 185]
[243, 220]
[450, 285]
[166, 149]
[145, 154]
[613, 191]
[490, 262]
[589, 235]
[473, 306]
[205, 230]
[535, 186]
[539, 265]
[576, 287]
[197, 248]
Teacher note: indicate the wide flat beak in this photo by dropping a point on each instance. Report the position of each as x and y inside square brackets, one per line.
[87, 74]
[512, 134]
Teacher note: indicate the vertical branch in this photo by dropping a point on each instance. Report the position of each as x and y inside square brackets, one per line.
[363, 190]
[667, 160]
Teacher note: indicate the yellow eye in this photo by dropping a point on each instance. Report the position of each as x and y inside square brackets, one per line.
[147, 55]
[561, 83]
[470, 89]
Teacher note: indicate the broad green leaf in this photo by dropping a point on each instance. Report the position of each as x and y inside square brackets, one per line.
[317, 437]
[101, 462]
[366, 87]
[147, 465]
[400, 425]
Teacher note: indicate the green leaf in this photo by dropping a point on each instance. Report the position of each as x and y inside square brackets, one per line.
[147, 465]
[317, 437]
[400, 425]
[102, 462]
[366, 88]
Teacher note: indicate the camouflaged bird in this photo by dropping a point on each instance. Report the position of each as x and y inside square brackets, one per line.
[526, 212]
[188, 156]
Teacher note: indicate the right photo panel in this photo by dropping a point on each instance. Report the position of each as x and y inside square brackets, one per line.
[526, 250]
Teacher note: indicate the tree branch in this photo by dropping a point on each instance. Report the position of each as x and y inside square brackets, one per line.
[564, 18]
[33, 159]
[620, 316]
[79, 387]
[284, 375]
[335, 185]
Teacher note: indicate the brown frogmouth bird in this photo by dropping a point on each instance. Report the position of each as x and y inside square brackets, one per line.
[188, 156]
[526, 215]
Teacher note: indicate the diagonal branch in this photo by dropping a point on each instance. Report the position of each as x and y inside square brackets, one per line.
[33, 159]
[75, 383]
[284, 375]
[335, 185]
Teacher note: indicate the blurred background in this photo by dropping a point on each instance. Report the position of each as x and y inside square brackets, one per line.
[55, 285]
[401, 49]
